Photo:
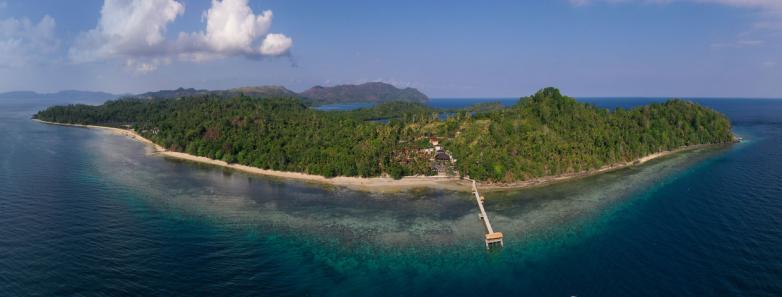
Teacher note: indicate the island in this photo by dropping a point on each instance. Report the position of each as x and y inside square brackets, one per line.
[372, 92]
[366, 92]
[544, 137]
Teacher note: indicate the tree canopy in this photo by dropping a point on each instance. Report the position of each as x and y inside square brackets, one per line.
[544, 134]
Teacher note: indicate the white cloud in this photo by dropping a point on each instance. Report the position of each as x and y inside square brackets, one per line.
[23, 42]
[276, 44]
[233, 29]
[231, 26]
[135, 30]
[130, 29]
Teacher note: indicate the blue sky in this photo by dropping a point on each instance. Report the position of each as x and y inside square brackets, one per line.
[685, 48]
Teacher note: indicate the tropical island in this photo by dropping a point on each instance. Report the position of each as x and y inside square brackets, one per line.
[543, 137]
[373, 92]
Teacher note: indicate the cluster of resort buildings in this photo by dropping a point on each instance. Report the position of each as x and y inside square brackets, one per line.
[441, 160]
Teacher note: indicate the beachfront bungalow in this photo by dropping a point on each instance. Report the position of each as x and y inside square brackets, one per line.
[442, 162]
[442, 156]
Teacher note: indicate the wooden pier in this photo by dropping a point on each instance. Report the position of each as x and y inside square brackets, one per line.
[492, 239]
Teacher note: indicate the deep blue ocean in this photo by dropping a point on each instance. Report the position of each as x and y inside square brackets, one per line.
[87, 213]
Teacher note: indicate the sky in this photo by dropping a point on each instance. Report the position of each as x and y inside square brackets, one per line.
[447, 49]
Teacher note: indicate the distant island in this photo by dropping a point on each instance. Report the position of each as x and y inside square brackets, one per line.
[259, 92]
[373, 92]
[546, 136]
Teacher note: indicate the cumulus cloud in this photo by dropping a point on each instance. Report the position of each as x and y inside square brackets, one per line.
[275, 44]
[233, 29]
[23, 42]
[135, 30]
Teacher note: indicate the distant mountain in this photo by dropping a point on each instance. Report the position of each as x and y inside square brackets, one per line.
[171, 94]
[375, 92]
[62, 96]
[266, 91]
[258, 91]
[367, 92]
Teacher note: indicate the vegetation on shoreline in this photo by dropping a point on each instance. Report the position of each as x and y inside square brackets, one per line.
[544, 134]
[549, 134]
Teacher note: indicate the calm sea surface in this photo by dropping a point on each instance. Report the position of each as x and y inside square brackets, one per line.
[85, 213]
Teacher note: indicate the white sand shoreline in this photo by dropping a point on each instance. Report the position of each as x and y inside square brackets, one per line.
[378, 184]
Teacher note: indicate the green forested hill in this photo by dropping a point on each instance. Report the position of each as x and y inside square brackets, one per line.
[548, 134]
[543, 134]
[366, 92]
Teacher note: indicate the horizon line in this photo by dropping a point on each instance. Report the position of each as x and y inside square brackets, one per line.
[487, 98]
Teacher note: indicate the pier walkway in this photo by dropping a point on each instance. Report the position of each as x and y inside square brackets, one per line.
[492, 238]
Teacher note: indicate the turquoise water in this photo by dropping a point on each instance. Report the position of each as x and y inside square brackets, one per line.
[83, 212]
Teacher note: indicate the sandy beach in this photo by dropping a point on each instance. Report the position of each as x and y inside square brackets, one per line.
[569, 176]
[379, 184]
